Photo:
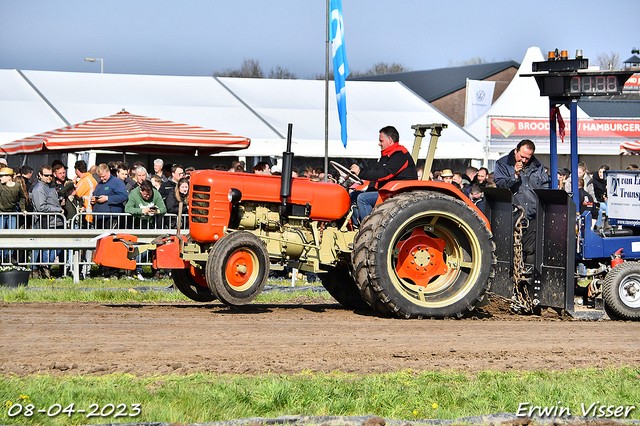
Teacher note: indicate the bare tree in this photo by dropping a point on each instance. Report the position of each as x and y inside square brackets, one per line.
[384, 68]
[473, 61]
[281, 73]
[608, 61]
[377, 69]
[319, 76]
[250, 69]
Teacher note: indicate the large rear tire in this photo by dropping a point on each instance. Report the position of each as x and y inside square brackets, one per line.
[430, 255]
[192, 286]
[360, 259]
[340, 284]
[237, 268]
[621, 290]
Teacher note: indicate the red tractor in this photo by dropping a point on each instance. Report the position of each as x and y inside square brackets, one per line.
[425, 251]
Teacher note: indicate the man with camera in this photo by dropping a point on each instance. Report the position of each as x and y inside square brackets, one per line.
[145, 203]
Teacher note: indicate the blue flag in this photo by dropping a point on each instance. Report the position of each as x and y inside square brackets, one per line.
[340, 66]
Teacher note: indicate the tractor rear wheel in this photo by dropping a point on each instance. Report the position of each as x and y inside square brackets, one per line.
[360, 259]
[192, 284]
[340, 285]
[237, 268]
[621, 290]
[430, 255]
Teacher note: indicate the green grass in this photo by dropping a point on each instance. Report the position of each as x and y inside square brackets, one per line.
[102, 290]
[407, 394]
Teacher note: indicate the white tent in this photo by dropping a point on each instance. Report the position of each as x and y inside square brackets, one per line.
[370, 106]
[33, 102]
[22, 111]
[521, 99]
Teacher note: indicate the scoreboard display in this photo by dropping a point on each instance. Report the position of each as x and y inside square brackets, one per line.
[594, 85]
[563, 78]
[583, 83]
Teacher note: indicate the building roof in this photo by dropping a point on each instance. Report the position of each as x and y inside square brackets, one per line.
[611, 108]
[633, 60]
[434, 84]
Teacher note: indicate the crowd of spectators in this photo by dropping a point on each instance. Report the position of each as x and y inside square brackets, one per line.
[95, 197]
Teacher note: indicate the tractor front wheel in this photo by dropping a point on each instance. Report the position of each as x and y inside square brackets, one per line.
[339, 283]
[237, 268]
[192, 284]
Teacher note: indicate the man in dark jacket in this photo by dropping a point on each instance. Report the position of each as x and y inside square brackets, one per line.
[521, 172]
[395, 163]
[110, 196]
[45, 200]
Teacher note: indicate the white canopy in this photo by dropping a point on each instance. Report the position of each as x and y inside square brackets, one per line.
[33, 102]
[521, 99]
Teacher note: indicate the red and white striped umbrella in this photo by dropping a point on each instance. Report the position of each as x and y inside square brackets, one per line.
[630, 148]
[124, 131]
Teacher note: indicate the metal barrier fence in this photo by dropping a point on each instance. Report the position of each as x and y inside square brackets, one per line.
[46, 239]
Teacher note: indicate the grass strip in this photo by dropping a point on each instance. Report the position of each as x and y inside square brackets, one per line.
[406, 394]
[122, 291]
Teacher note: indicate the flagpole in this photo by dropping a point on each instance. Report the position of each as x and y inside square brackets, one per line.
[326, 101]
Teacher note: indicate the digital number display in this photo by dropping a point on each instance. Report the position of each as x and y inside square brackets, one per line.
[586, 84]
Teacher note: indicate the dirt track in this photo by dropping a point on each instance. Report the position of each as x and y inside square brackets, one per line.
[93, 338]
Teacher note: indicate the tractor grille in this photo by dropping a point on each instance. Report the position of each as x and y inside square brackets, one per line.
[199, 207]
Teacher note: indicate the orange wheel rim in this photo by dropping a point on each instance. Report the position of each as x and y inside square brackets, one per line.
[240, 269]
[197, 276]
[421, 258]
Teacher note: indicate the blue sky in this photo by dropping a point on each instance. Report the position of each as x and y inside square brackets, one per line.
[198, 37]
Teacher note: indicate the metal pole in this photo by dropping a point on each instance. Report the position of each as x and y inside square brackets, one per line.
[553, 147]
[326, 100]
[574, 153]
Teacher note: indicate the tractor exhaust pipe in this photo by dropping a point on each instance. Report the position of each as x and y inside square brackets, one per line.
[285, 178]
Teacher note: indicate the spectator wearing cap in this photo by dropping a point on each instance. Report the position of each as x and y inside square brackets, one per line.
[563, 176]
[12, 198]
[447, 176]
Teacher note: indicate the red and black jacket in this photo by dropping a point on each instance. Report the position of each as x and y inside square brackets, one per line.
[395, 164]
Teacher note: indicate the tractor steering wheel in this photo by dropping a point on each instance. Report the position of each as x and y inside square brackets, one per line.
[346, 175]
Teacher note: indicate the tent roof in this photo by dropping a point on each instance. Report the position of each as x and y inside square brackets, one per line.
[145, 134]
[520, 99]
[256, 108]
[22, 111]
[434, 84]
[370, 106]
[199, 101]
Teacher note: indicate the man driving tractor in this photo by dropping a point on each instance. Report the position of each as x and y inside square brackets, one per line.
[395, 163]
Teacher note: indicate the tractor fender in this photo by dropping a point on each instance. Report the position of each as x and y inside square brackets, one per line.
[397, 187]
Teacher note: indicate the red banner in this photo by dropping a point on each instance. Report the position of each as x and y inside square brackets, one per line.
[507, 128]
[634, 81]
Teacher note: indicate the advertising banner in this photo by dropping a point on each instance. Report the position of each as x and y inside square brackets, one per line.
[623, 202]
[618, 131]
[479, 98]
[632, 85]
